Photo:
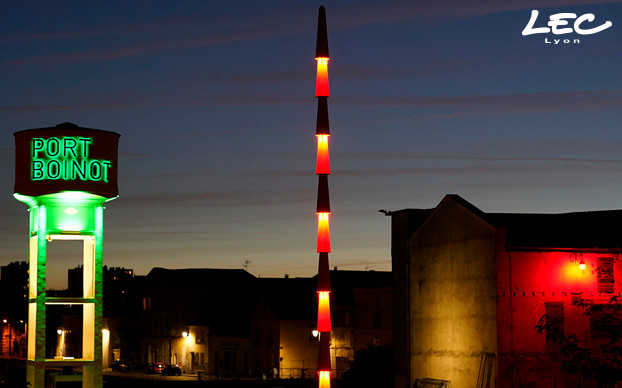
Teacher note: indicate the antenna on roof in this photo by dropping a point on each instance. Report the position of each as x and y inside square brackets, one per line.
[247, 263]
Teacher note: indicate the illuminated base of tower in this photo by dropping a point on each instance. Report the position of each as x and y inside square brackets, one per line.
[79, 217]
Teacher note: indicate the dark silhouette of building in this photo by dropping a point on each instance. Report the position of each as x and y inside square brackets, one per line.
[199, 319]
[360, 314]
[220, 322]
[13, 308]
[282, 340]
[474, 285]
[121, 316]
[227, 323]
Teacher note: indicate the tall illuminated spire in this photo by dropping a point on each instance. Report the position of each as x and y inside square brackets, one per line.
[322, 169]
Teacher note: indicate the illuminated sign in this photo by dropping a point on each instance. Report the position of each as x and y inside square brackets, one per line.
[66, 158]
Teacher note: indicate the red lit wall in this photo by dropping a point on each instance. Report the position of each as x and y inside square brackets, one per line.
[473, 300]
[527, 281]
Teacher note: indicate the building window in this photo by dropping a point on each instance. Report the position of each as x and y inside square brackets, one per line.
[200, 336]
[605, 274]
[377, 320]
[146, 303]
[598, 327]
[555, 325]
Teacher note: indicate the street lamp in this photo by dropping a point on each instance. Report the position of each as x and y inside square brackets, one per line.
[10, 336]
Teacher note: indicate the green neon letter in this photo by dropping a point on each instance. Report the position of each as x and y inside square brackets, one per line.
[53, 169]
[79, 168]
[85, 146]
[37, 169]
[106, 164]
[69, 143]
[96, 170]
[53, 146]
[37, 145]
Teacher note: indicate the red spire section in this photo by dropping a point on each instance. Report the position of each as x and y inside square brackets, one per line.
[322, 169]
[321, 56]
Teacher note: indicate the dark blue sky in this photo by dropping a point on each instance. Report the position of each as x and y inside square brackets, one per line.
[215, 104]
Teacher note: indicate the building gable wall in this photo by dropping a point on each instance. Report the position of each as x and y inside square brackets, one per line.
[452, 295]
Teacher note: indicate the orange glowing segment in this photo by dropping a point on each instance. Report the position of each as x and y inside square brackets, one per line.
[322, 165]
[321, 82]
[323, 312]
[324, 377]
[323, 232]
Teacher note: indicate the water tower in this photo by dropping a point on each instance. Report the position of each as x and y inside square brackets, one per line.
[65, 174]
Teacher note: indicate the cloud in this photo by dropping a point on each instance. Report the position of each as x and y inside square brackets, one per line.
[149, 48]
[230, 198]
[211, 101]
[405, 11]
[100, 32]
[495, 158]
[212, 30]
[480, 105]
[266, 25]
[549, 165]
[468, 105]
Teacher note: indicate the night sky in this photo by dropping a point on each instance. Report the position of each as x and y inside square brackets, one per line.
[215, 104]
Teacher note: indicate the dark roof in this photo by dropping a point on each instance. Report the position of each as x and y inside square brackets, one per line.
[296, 298]
[206, 277]
[343, 283]
[578, 230]
[67, 126]
[290, 298]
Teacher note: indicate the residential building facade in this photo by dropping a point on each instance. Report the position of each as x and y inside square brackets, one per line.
[476, 284]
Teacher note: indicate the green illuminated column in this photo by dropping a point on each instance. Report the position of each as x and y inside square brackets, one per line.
[66, 206]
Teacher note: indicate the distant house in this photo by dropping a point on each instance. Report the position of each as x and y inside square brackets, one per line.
[220, 322]
[13, 309]
[199, 319]
[360, 314]
[470, 287]
[121, 310]
[282, 338]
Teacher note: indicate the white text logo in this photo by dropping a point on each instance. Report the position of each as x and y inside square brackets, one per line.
[557, 25]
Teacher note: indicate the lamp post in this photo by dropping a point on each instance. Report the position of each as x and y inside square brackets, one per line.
[10, 337]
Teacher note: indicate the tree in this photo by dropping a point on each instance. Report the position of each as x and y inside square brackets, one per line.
[600, 362]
